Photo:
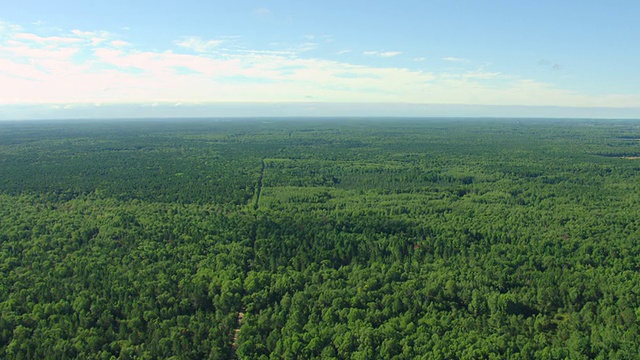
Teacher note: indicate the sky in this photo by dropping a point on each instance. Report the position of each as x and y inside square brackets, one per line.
[100, 59]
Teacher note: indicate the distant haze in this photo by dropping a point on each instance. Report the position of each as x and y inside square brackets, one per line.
[130, 111]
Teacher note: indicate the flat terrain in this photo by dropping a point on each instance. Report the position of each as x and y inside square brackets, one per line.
[326, 238]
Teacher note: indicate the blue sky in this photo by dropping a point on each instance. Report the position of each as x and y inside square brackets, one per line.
[56, 56]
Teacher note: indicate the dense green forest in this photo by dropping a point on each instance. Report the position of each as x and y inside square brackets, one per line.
[325, 238]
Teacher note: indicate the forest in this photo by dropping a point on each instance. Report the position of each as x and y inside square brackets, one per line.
[320, 239]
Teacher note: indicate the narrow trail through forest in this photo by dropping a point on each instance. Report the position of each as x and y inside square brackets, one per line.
[236, 332]
[259, 187]
[241, 313]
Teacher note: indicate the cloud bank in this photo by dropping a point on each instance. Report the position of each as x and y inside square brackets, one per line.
[97, 67]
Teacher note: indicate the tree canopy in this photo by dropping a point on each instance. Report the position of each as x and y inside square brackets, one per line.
[329, 238]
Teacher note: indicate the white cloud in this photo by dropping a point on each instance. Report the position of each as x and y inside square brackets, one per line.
[21, 71]
[95, 37]
[455, 59]
[35, 69]
[385, 54]
[294, 48]
[266, 52]
[35, 54]
[481, 75]
[46, 40]
[6, 28]
[197, 44]
[307, 46]
[119, 43]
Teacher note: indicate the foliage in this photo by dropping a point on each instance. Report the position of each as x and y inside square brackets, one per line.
[336, 239]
